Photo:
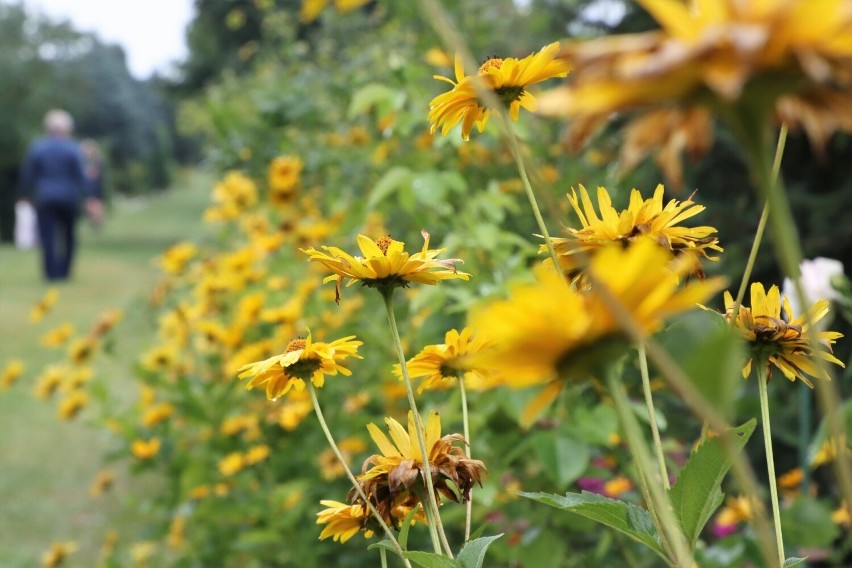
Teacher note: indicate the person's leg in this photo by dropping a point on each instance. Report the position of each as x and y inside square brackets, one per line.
[68, 219]
[46, 215]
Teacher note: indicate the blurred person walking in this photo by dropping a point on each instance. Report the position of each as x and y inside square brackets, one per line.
[54, 179]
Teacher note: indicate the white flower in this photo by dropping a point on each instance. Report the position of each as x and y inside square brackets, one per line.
[817, 275]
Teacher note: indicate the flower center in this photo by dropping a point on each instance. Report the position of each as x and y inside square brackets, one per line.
[383, 243]
[492, 63]
[295, 345]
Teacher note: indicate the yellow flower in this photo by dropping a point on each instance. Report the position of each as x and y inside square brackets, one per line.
[777, 54]
[49, 381]
[343, 521]
[616, 487]
[72, 404]
[176, 258]
[145, 449]
[81, 350]
[549, 330]
[386, 264]
[177, 527]
[508, 79]
[58, 335]
[11, 373]
[311, 9]
[232, 463]
[303, 360]
[297, 406]
[102, 483]
[55, 557]
[398, 470]
[44, 305]
[642, 218]
[106, 322]
[256, 454]
[840, 516]
[283, 179]
[156, 414]
[439, 365]
[830, 448]
[783, 341]
[735, 511]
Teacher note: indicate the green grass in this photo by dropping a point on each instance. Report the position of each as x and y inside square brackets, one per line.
[46, 465]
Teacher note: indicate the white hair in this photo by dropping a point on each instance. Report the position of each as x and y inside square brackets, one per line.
[58, 122]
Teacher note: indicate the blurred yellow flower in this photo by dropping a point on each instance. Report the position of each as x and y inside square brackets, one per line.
[58, 335]
[385, 264]
[156, 414]
[303, 360]
[311, 9]
[72, 404]
[176, 258]
[297, 406]
[283, 179]
[840, 516]
[57, 554]
[82, 350]
[49, 380]
[256, 454]
[232, 463]
[145, 449]
[11, 373]
[647, 218]
[44, 305]
[440, 365]
[508, 79]
[782, 340]
[102, 483]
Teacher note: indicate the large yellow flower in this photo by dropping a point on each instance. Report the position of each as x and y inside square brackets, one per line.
[782, 341]
[642, 218]
[303, 360]
[793, 56]
[395, 477]
[440, 365]
[343, 521]
[549, 330]
[385, 264]
[507, 78]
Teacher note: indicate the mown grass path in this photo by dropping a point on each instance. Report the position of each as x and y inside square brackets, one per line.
[47, 465]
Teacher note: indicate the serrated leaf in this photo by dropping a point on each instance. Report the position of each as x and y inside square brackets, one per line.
[472, 554]
[697, 493]
[432, 560]
[393, 179]
[624, 517]
[794, 561]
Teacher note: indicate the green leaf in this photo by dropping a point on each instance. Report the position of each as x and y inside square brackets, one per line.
[563, 456]
[624, 517]
[393, 180]
[432, 560]
[697, 494]
[472, 554]
[406, 527]
[710, 353]
[374, 95]
[794, 561]
[385, 543]
[807, 524]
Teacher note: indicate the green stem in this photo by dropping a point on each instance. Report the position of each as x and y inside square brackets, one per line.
[519, 161]
[431, 500]
[383, 557]
[770, 459]
[652, 416]
[658, 502]
[351, 476]
[761, 225]
[466, 429]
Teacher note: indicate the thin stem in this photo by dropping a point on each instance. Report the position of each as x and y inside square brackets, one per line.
[519, 161]
[671, 536]
[466, 429]
[384, 558]
[770, 459]
[761, 224]
[349, 474]
[652, 416]
[431, 501]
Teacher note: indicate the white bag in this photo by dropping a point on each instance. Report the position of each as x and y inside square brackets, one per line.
[26, 229]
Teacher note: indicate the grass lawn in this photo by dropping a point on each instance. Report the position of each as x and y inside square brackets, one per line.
[46, 465]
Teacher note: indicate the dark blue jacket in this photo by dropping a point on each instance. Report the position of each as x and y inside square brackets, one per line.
[53, 172]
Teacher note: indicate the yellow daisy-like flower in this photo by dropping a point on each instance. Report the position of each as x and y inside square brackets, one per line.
[44, 305]
[176, 258]
[780, 340]
[11, 373]
[58, 335]
[145, 449]
[389, 477]
[507, 78]
[102, 483]
[343, 521]
[642, 218]
[548, 330]
[439, 365]
[304, 360]
[311, 9]
[283, 179]
[385, 264]
[57, 554]
[790, 56]
[157, 413]
[72, 404]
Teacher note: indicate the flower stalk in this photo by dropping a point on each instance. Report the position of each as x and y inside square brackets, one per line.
[466, 429]
[760, 370]
[431, 505]
[652, 416]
